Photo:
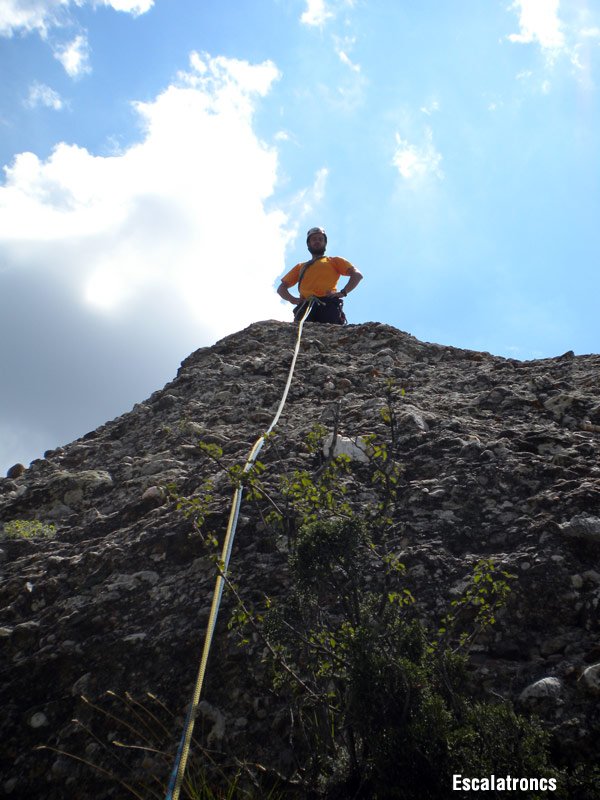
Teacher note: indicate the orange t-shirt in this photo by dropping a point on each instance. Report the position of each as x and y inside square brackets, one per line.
[320, 278]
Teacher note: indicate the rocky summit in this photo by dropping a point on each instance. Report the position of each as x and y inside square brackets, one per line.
[104, 605]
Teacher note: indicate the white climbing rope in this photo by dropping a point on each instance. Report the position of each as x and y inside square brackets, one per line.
[178, 772]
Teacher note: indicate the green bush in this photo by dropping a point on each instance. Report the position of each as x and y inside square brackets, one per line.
[28, 529]
[382, 709]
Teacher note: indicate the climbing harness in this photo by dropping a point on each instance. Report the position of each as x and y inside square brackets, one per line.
[299, 310]
[178, 772]
[326, 309]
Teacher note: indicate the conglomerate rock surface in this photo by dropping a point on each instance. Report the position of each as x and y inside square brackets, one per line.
[500, 460]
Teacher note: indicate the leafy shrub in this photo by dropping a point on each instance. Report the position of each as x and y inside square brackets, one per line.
[28, 529]
[382, 710]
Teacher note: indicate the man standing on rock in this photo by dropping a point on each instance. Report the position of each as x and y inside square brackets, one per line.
[318, 278]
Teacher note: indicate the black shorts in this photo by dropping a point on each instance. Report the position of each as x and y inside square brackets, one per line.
[327, 309]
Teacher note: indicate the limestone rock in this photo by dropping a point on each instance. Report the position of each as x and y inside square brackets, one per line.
[546, 689]
[583, 526]
[355, 450]
[591, 679]
[499, 459]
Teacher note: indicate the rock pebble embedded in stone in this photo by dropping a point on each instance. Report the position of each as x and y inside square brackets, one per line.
[591, 679]
[583, 527]
[546, 689]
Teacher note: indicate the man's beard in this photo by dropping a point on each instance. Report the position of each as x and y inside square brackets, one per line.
[317, 251]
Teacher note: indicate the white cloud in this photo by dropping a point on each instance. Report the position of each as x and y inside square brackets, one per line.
[135, 7]
[569, 33]
[431, 108]
[127, 263]
[29, 15]
[41, 15]
[342, 47]
[345, 59]
[349, 94]
[318, 188]
[317, 13]
[590, 33]
[572, 36]
[74, 56]
[182, 212]
[42, 95]
[416, 162]
[307, 199]
[539, 22]
[304, 204]
[583, 56]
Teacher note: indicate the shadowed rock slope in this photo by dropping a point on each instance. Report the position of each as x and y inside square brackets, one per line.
[500, 460]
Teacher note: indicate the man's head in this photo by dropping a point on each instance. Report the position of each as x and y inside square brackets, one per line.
[316, 241]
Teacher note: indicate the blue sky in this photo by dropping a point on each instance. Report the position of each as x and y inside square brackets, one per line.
[162, 160]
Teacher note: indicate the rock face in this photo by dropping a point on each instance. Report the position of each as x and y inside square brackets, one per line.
[500, 461]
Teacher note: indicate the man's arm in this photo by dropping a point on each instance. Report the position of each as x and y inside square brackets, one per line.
[283, 291]
[354, 279]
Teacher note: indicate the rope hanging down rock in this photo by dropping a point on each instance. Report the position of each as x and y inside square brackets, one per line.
[178, 772]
